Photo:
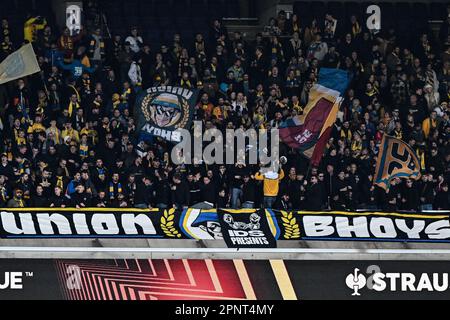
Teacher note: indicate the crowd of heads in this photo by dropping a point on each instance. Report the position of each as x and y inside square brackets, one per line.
[69, 136]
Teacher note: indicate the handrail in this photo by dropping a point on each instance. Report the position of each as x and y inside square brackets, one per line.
[225, 250]
[223, 253]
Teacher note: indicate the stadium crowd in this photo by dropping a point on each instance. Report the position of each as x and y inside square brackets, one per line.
[69, 138]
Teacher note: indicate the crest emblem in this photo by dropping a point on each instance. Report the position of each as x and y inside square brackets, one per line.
[166, 110]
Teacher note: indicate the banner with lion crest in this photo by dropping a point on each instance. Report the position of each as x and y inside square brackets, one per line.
[163, 110]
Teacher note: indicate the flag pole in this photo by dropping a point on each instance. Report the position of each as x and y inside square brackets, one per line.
[45, 85]
[308, 171]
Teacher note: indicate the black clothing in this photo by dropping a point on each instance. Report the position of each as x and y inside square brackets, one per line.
[314, 197]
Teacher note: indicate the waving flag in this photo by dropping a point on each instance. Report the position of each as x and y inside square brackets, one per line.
[396, 159]
[163, 110]
[19, 64]
[310, 131]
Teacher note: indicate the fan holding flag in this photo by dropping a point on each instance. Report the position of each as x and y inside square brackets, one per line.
[308, 133]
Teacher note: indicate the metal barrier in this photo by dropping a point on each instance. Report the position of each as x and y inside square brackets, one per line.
[223, 253]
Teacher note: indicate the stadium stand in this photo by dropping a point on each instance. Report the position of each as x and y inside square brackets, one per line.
[400, 87]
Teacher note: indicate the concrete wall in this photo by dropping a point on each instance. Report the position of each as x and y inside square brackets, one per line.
[266, 9]
[216, 249]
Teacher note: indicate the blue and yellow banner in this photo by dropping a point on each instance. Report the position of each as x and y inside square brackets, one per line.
[249, 227]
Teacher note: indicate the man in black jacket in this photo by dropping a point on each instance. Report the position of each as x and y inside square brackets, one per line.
[292, 186]
[442, 199]
[80, 198]
[410, 196]
[208, 194]
[58, 200]
[248, 192]
[162, 190]
[283, 203]
[427, 192]
[180, 192]
[236, 184]
[39, 200]
[314, 195]
[144, 193]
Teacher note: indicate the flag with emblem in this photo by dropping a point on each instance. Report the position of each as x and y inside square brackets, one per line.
[396, 159]
[163, 110]
[19, 64]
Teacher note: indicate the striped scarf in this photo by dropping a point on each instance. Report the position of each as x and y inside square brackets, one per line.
[84, 150]
[20, 202]
[73, 107]
[111, 189]
[356, 29]
[4, 194]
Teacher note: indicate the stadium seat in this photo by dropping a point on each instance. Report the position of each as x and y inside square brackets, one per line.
[403, 10]
[186, 34]
[152, 35]
[165, 22]
[147, 8]
[437, 11]
[337, 10]
[149, 21]
[354, 8]
[130, 7]
[216, 9]
[419, 13]
[387, 15]
[199, 20]
[318, 9]
[132, 20]
[183, 22]
[180, 8]
[24, 6]
[200, 7]
[302, 9]
[167, 35]
[163, 9]
[113, 11]
[419, 10]
[232, 8]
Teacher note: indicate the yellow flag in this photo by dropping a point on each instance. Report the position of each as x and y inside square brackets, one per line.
[19, 64]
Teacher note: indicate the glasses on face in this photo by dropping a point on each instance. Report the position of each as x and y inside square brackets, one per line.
[163, 111]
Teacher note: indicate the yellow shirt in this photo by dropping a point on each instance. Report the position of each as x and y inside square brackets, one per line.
[31, 27]
[21, 141]
[271, 185]
[72, 133]
[36, 127]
